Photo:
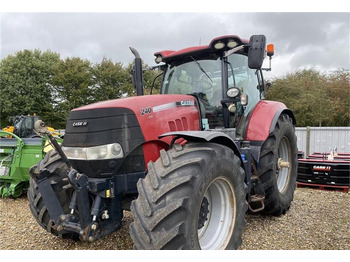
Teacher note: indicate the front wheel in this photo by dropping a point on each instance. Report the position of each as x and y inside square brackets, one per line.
[193, 197]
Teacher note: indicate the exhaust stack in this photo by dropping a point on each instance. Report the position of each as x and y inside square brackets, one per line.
[136, 72]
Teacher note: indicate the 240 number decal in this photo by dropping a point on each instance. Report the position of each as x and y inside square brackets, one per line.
[146, 110]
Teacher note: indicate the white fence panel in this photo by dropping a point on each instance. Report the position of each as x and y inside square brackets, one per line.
[323, 139]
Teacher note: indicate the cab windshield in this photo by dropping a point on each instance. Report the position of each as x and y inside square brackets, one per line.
[203, 78]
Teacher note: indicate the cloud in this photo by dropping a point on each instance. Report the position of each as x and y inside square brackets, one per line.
[301, 39]
[319, 39]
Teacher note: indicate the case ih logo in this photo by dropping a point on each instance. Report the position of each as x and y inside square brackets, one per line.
[185, 103]
[321, 168]
[77, 124]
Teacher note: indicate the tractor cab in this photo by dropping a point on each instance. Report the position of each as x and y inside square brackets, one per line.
[24, 125]
[225, 77]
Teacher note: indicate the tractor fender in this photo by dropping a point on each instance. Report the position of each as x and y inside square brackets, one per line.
[263, 119]
[208, 136]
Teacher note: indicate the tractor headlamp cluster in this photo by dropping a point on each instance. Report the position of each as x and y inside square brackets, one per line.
[230, 44]
[219, 45]
[158, 59]
[233, 92]
[109, 151]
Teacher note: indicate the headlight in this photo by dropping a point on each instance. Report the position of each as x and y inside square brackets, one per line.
[231, 44]
[158, 59]
[219, 45]
[4, 170]
[244, 99]
[109, 151]
[233, 92]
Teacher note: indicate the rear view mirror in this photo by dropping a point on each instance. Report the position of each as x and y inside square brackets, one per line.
[256, 52]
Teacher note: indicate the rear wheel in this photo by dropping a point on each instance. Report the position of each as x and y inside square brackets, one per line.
[278, 167]
[54, 164]
[193, 197]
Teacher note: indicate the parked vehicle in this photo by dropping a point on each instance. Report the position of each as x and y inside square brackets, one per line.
[17, 155]
[20, 149]
[188, 163]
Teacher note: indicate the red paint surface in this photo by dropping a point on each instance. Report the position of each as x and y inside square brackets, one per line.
[260, 122]
[323, 161]
[154, 123]
[169, 53]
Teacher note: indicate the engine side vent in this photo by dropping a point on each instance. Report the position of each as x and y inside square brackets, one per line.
[178, 124]
[172, 126]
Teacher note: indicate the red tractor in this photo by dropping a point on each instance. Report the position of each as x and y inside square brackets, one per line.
[189, 163]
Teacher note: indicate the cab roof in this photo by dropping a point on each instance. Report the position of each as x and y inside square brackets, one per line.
[225, 43]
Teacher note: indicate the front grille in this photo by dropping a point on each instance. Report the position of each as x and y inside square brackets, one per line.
[95, 127]
[103, 126]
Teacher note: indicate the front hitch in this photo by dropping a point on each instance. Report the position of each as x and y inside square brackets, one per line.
[80, 182]
[93, 212]
[98, 214]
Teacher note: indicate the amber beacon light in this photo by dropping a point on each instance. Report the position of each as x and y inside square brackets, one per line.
[270, 50]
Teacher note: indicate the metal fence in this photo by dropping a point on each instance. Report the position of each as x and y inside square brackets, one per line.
[323, 139]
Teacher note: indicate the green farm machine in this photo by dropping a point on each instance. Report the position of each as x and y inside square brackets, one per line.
[20, 148]
[17, 155]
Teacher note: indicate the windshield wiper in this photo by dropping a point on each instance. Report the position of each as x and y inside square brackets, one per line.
[201, 68]
[233, 50]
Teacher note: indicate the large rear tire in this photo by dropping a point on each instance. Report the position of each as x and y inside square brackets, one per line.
[193, 197]
[54, 164]
[278, 167]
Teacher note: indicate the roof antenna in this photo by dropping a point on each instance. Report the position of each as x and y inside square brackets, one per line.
[200, 41]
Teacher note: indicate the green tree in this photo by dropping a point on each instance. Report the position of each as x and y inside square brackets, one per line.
[110, 80]
[25, 83]
[72, 87]
[152, 81]
[339, 91]
[316, 99]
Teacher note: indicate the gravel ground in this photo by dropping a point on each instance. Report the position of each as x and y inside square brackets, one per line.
[317, 220]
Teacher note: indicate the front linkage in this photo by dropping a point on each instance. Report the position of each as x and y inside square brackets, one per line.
[94, 221]
[95, 205]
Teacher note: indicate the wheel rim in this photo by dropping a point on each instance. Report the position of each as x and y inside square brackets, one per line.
[284, 164]
[217, 229]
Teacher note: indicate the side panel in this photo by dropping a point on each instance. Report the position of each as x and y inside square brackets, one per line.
[176, 114]
[263, 119]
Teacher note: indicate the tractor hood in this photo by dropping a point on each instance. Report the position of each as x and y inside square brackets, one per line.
[156, 114]
[131, 121]
[132, 125]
